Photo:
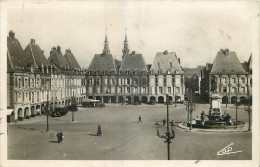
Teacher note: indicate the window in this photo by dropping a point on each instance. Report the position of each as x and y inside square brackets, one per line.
[169, 90]
[242, 90]
[223, 80]
[225, 89]
[160, 90]
[136, 90]
[182, 80]
[233, 90]
[164, 79]
[233, 80]
[171, 65]
[135, 81]
[144, 81]
[128, 90]
[177, 90]
[155, 90]
[121, 91]
[173, 80]
[242, 80]
[128, 81]
[156, 81]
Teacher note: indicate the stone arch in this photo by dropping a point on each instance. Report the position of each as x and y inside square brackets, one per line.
[42, 109]
[144, 99]
[152, 98]
[33, 111]
[242, 99]
[120, 99]
[20, 114]
[136, 99]
[129, 99]
[105, 99]
[113, 99]
[38, 110]
[233, 99]
[27, 113]
[224, 99]
[160, 99]
[178, 98]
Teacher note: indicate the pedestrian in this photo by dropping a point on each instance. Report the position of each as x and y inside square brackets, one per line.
[164, 122]
[58, 137]
[61, 136]
[140, 119]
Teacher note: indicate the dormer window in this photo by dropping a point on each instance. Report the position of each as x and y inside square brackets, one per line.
[105, 72]
[97, 72]
[128, 72]
[89, 72]
[120, 72]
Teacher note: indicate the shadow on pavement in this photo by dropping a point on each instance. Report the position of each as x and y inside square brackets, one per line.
[93, 134]
[53, 141]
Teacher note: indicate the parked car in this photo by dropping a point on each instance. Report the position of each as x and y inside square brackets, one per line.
[152, 102]
[137, 103]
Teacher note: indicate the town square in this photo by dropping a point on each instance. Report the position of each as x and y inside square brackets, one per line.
[130, 81]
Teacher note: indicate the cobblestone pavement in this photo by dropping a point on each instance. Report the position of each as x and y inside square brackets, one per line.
[123, 138]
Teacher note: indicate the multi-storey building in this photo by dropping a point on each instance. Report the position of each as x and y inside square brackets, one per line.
[231, 79]
[133, 79]
[33, 80]
[166, 77]
[101, 77]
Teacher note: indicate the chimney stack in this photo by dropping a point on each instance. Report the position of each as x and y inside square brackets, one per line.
[165, 52]
[58, 48]
[11, 34]
[179, 60]
[32, 41]
[32, 69]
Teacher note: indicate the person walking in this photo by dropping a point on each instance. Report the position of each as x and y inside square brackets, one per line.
[140, 119]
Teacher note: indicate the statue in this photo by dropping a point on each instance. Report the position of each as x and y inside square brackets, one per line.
[213, 84]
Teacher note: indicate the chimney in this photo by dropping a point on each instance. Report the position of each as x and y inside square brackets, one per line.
[11, 34]
[32, 69]
[58, 48]
[226, 51]
[32, 41]
[179, 60]
[165, 52]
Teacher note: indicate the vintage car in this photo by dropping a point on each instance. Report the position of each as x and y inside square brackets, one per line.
[92, 103]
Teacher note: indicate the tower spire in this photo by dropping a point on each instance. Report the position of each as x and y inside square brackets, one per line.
[126, 49]
[106, 47]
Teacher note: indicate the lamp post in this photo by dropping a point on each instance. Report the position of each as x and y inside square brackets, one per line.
[190, 108]
[236, 109]
[47, 112]
[168, 136]
[249, 110]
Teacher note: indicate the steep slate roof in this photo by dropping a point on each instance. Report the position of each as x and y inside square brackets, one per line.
[133, 62]
[35, 55]
[102, 62]
[16, 61]
[163, 60]
[71, 59]
[117, 64]
[57, 59]
[226, 62]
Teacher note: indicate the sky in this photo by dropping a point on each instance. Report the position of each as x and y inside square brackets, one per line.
[195, 31]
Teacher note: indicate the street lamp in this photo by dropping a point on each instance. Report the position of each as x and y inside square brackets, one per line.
[168, 136]
[236, 108]
[249, 110]
[190, 108]
[47, 112]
